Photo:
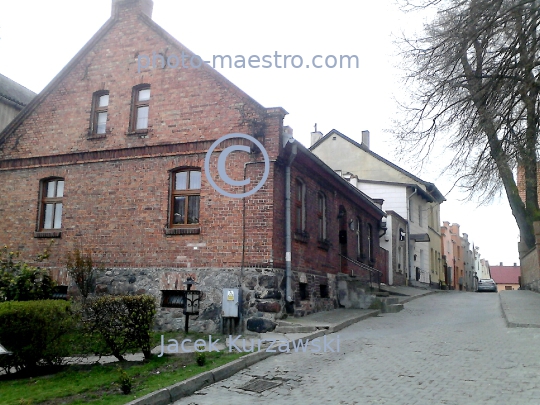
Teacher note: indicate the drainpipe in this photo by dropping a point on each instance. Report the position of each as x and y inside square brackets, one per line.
[288, 241]
[409, 231]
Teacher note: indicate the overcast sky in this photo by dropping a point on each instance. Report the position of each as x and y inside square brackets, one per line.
[38, 38]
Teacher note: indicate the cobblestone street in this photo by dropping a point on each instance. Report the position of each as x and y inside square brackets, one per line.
[446, 348]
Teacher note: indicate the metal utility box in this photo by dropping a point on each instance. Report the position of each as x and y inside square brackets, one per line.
[231, 301]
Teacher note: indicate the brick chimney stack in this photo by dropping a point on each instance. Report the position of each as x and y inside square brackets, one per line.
[140, 6]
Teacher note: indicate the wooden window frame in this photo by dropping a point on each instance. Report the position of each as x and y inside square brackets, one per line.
[44, 200]
[359, 239]
[322, 216]
[96, 110]
[300, 202]
[370, 243]
[135, 105]
[187, 193]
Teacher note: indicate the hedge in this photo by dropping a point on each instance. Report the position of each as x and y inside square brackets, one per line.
[35, 332]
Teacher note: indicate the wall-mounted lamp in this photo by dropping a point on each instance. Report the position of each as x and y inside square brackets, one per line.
[351, 225]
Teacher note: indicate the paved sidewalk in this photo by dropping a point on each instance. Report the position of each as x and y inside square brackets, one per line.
[407, 294]
[521, 308]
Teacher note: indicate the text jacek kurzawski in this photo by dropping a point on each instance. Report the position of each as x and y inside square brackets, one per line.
[237, 344]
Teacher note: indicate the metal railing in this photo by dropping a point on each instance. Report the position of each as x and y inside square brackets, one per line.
[363, 266]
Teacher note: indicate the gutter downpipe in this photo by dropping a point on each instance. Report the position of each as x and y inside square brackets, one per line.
[409, 232]
[288, 239]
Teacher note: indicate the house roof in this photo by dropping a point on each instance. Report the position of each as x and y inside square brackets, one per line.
[36, 101]
[13, 92]
[505, 274]
[430, 187]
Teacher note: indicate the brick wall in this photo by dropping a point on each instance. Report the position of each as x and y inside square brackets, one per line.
[116, 196]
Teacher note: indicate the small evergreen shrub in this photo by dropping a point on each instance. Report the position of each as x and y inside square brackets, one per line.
[124, 381]
[201, 358]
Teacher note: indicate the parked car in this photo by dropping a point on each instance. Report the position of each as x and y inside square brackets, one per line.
[487, 284]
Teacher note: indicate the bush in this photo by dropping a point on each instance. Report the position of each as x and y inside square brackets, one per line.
[124, 381]
[201, 358]
[124, 323]
[21, 282]
[81, 269]
[35, 332]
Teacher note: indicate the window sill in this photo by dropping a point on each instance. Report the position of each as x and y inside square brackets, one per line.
[92, 137]
[48, 234]
[143, 133]
[182, 231]
[323, 244]
[301, 236]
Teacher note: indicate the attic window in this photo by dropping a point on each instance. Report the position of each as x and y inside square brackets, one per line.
[100, 107]
[334, 138]
[140, 108]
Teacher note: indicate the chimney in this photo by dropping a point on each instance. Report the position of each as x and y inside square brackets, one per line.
[365, 138]
[126, 6]
[515, 264]
[287, 135]
[315, 136]
[500, 264]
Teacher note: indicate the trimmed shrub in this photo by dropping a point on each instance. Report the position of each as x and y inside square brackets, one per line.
[123, 322]
[141, 310]
[35, 332]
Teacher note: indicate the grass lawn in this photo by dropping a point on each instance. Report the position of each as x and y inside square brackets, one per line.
[81, 384]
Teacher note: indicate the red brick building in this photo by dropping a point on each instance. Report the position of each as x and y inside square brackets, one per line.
[110, 158]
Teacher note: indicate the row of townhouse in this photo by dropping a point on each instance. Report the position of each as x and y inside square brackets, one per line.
[118, 162]
[421, 251]
[462, 261]
[413, 238]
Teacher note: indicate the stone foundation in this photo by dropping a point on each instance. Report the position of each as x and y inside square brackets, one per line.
[354, 293]
[263, 294]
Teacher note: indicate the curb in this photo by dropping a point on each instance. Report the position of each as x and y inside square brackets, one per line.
[188, 387]
[514, 324]
[410, 298]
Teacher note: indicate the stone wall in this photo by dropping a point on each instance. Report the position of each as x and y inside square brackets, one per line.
[354, 292]
[530, 271]
[261, 290]
[529, 262]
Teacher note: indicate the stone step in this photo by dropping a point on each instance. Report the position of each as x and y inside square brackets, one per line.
[295, 329]
[392, 309]
[381, 293]
[287, 323]
[390, 300]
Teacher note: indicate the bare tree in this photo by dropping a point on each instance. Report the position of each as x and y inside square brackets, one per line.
[474, 75]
